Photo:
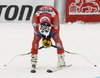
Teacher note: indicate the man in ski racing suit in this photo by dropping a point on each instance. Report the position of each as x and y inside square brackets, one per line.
[46, 16]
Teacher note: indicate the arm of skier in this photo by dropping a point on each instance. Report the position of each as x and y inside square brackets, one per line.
[36, 26]
[55, 27]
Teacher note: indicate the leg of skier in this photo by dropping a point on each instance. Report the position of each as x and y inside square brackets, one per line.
[35, 45]
[61, 55]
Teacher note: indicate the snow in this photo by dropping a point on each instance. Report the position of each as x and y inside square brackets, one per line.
[16, 38]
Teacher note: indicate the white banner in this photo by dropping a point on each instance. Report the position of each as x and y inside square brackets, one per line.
[20, 10]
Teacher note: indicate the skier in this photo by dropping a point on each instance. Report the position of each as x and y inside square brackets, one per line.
[46, 26]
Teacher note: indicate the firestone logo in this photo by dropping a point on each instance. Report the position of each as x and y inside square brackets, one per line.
[17, 13]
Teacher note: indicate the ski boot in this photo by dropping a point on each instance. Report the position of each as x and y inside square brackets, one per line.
[61, 60]
[34, 60]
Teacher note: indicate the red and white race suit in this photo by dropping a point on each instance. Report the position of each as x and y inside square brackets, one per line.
[50, 14]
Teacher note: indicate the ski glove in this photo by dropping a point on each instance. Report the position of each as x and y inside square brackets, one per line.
[46, 43]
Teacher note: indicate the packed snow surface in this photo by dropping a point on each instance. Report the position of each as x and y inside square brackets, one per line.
[16, 38]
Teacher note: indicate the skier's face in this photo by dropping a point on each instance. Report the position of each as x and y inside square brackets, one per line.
[45, 30]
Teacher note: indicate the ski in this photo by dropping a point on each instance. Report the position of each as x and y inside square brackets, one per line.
[33, 71]
[56, 69]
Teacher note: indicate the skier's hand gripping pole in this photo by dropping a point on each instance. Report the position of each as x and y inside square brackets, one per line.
[75, 54]
[46, 43]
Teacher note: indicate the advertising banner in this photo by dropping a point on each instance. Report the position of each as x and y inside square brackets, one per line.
[20, 10]
[83, 10]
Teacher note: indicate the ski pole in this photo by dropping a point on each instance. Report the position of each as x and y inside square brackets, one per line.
[75, 54]
[23, 55]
